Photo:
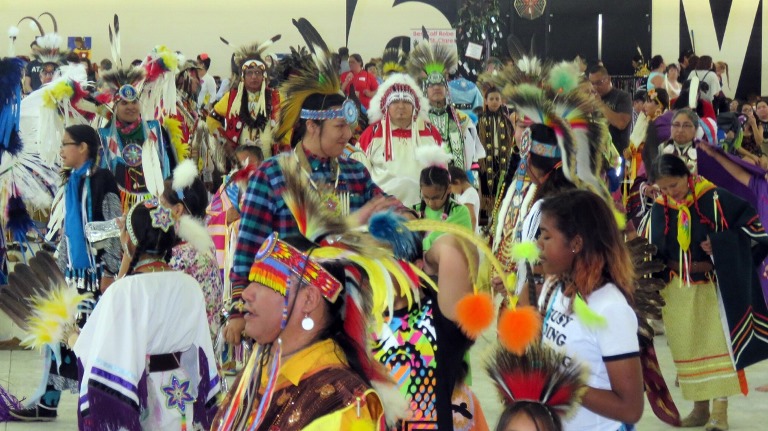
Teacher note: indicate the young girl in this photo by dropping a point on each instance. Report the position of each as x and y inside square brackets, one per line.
[592, 271]
[436, 201]
[465, 194]
[496, 132]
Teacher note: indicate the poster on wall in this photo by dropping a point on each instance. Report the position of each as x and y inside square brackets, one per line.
[80, 45]
[436, 35]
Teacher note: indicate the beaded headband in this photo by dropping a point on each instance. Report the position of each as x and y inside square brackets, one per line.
[127, 92]
[276, 261]
[348, 112]
[129, 225]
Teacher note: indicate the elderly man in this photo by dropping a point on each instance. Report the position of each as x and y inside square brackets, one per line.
[247, 113]
[398, 113]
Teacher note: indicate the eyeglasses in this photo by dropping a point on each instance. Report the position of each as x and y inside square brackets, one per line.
[434, 198]
[253, 73]
[600, 81]
[63, 144]
[682, 125]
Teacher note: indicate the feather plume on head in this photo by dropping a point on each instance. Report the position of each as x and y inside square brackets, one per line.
[538, 376]
[320, 77]
[184, 174]
[431, 63]
[433, 155]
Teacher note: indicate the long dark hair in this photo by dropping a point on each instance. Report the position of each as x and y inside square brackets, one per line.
[604, 256]
[555, 182]
[87, 134]
[436, 176]
[315, 102]
[151, 240]
[669, 165]
[335, 311]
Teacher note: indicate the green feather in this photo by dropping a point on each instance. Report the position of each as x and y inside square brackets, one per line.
[527, 250]
[587, 315]
[563, 78]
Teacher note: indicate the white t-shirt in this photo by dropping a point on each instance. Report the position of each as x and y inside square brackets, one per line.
[207, 89]
[710, 78]
[470, 196]
[591, 346]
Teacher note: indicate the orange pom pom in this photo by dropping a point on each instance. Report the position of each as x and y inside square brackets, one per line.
[519, 328]
[474, 314]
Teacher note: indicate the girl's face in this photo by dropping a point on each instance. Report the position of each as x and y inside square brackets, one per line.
[673, 74]
[434, 196]
[493, 101]
[762, 110]
[73, 154]
[748, 110]
[734, 105]
[557, 252]
[650, 108]
[521, 422]
[674, 187]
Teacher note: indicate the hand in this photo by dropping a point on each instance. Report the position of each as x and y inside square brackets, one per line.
[379, 203]
[707, 149]
[348, 79]
[233, 332]
[498, 285]
[707, 247]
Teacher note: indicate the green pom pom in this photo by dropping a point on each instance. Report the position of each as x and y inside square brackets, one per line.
[527, 250]
[563, 78]
[587, 315]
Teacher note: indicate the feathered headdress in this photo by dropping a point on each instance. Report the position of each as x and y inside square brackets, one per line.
[430, 63]
[562, 104]
[395, 58]
[433, 155]
[48, 48]
[124, 82]
[538, 376]
[11, 71]
[322, 78]
[367, 287]
[250, 57]
[398, 87]
[190, 230]
[159, 90]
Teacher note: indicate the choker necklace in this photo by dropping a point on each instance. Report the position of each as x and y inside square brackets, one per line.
[150, 265]
[336, 201]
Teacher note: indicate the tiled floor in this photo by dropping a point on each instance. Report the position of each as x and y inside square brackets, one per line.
[20, 371]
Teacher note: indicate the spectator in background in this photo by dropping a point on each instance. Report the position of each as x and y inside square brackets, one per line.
[344, 58]
[32, 72]
[672, 84]
[616, 106]
[656, 77]
[364, 83]
[709, 85]
[207, 83]
[638, 103]
[373, 70]
[685, 65]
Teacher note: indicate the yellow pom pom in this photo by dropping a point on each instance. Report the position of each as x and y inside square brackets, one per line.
[511, 280]
[527, 250]
[621, 219]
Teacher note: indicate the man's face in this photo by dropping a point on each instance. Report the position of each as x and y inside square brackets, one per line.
[601, 83]
[46, 73]
[253, 78]
[400, 112]
[436, 94]
[127, 112]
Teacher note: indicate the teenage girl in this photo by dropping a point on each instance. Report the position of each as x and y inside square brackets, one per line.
[437, 203]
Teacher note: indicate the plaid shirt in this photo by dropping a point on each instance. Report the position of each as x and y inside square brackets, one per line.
[264, 210]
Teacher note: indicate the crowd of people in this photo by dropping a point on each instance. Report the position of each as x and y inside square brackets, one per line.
[335, 239]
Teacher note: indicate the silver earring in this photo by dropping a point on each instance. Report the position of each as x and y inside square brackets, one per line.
[573, 251]
[307, 323]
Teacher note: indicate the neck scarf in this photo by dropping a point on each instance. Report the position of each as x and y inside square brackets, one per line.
[73, 219]
[127, 128]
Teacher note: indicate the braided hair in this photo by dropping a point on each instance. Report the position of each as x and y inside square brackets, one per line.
[436, 176]
[195, 197]
[150, 240]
